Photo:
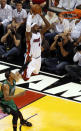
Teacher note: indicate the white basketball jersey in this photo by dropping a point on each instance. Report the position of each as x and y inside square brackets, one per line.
[35, 45]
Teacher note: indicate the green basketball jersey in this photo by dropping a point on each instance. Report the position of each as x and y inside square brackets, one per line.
[8, 105]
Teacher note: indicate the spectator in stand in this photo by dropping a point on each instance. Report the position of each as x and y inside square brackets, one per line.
[76, 32]
[64, 54]
[11, 45]
[78, 3]
[19, 22]
[67, 4]
[12, 3]
[75, 70]
[61, 26]
[19, 18]
[5, 16]
[53, 19]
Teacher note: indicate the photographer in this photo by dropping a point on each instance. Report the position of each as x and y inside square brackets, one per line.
[75, 70]
[10, 46]
[64, 54]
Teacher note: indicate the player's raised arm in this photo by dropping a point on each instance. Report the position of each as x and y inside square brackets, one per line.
[47, 24]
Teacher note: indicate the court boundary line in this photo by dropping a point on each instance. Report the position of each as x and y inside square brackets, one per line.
[48, 94]
[21, 66]
[41, 91]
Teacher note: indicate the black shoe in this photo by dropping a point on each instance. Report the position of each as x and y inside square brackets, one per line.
[26, 123]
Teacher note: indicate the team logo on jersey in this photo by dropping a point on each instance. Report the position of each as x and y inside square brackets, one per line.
[36, 40]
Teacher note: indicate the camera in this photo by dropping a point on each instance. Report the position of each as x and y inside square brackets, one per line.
[59, 39]
[12, 31]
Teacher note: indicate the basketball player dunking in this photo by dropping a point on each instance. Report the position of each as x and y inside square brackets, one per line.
[33, 54]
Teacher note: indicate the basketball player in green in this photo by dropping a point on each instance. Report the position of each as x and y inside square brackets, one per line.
[6, 99]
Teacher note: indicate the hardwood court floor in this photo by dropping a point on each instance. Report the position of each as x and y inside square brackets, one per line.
[51, 112]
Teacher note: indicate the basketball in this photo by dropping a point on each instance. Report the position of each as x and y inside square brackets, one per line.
[36, 9]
